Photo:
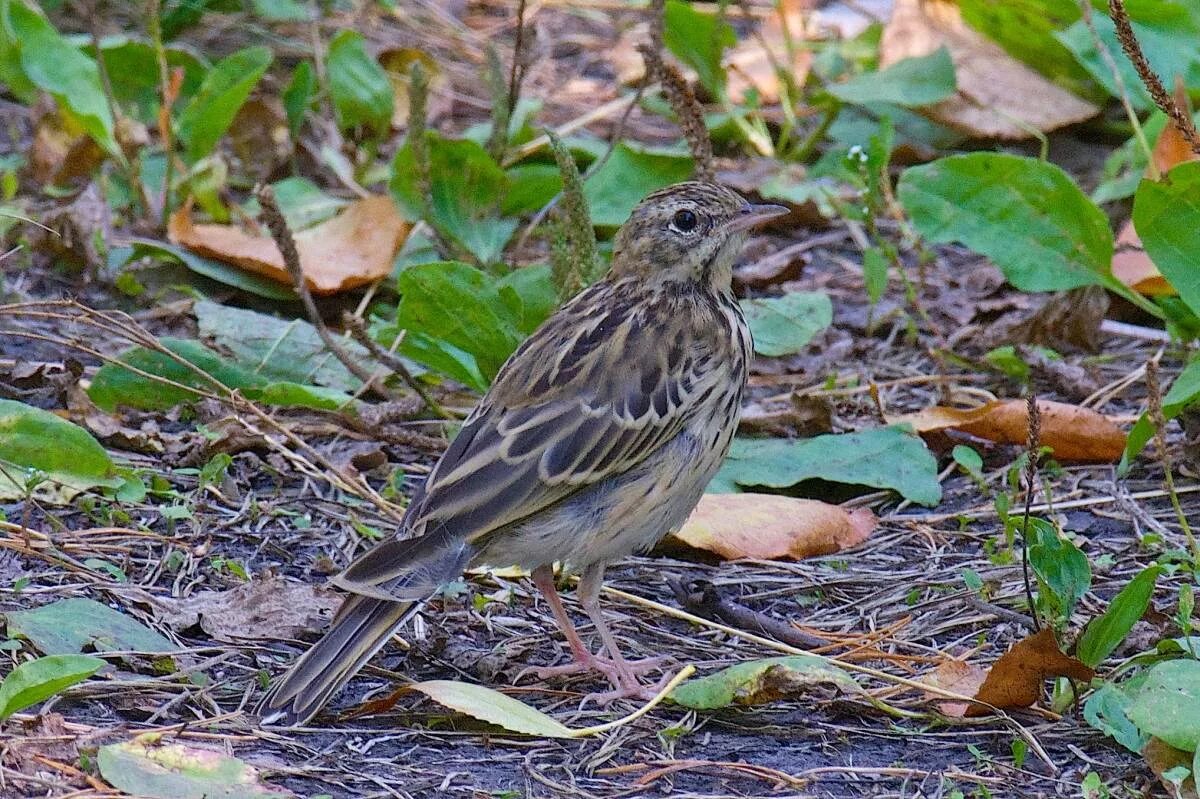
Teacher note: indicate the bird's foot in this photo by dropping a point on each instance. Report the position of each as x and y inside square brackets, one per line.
[631, 689]
[623, 675]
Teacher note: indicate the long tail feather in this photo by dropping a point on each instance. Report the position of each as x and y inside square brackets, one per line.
[361, 627]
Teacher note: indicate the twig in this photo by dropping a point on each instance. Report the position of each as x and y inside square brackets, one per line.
[702, 598]
[516, 75]
[1085, 8]
[686, 107]
[1033, 447]
[1133, 50]
[392, 361]
[282, 235]
[1154, 393]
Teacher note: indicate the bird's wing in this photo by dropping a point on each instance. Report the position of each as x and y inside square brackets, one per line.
[595, 390]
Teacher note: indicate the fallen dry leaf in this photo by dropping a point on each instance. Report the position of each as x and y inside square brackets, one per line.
[1161, 758]
[766, 526]
[1015, 680]
[752, 64]
[1130, 263]
[352, 249]
[995, 91]
[267, 608]
[1074, 433]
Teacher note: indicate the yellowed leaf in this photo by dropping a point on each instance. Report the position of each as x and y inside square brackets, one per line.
[352, 249]
[766, 526]
[998, 96]
[1074, 433]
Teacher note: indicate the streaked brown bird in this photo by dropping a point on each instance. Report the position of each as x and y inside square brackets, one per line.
[596, 439]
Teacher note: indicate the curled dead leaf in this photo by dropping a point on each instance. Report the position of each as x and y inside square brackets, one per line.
[1072, 432]
[1015, 680]
[766, 526]
[998, 96]
[267, 608]
[352, 249]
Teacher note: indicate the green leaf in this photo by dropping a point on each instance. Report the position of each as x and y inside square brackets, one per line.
[282, 10]
[51, 63]
[1028, 216]
[467, 188]
[529, 293]
[493, 707]
[1105, 632]
[462, 306]
[143, 767]
[1106, 710]
[69, 625]
[298, 96]
[1166, 216]
[1061, 567]
[760, 681]
[875, 273]
[1167, 32]
[1184, 391]
[698, 40]
[35, 441]
[888, 457]
[784, 325]
[219, 271]
[923, 80]
[1028, 31]
[302, 203]
[133, 69]
[225, 88]
[36, 680]
[276, 349]
[359, 86]
[1168, 704]
[628, 176]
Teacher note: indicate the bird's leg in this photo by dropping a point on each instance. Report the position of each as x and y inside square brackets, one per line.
[620, 672]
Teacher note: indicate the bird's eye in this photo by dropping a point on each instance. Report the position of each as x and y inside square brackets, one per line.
[684, 221]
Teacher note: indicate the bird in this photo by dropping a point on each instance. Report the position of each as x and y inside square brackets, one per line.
[596, 438]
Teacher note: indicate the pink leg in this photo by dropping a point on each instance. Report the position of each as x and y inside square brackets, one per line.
[620, 672]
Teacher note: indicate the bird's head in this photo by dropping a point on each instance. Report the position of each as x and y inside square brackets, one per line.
[689, 232]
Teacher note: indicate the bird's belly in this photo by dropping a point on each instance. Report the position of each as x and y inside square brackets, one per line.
[624, 514]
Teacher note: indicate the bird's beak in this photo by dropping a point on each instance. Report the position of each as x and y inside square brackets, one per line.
[754, 215]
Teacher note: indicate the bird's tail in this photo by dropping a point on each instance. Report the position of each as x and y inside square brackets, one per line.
[361, 627]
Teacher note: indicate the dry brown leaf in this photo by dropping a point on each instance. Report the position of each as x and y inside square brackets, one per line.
[1074, 433]
[267, 608]
[1130, 263]
[352, 249]
[1015, 680]
[995, 91]
[766, 526]
[1161, 758]
[752, 64]
[61, 149]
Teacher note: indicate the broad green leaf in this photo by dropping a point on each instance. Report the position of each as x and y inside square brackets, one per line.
[219, 271]
[51, 63]
[529, 292]
[1027, 216]
[276, 349]
[1184, 391]
[144, 767]
[133, 69]
[1168, 704]
[1061, 568]
[208, 116]
[462, 306]
[69, 625]
[855, 124]
[784, 325]
[888, 457]
[1105, 632]
[467, 187]
[360, 89]
[1166, 216]
[923, 80]
[442, 356]
[1106, 709]
[298, 96]
[36, 680]
[302, 203]
[1125, 167]
[759, 681]
[36, 441]
[1028, 30]
[493, 707]
[698, 40]
[1167, 30]
[531, 186]
[628, 176]
[282, 10]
